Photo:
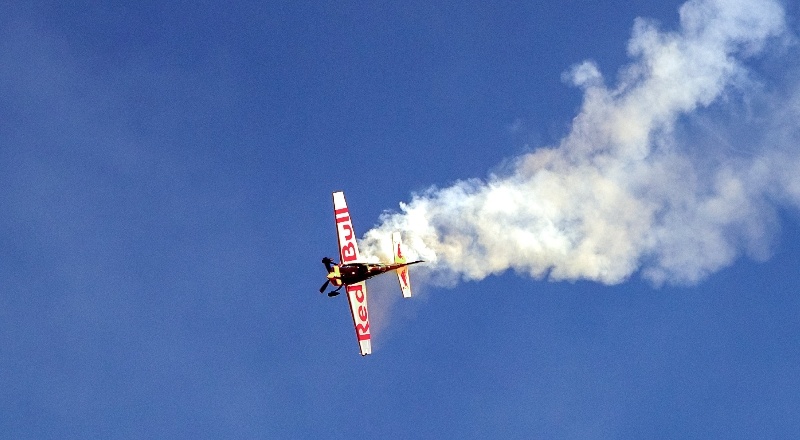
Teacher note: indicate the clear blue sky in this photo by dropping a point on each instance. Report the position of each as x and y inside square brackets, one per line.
[165, 180]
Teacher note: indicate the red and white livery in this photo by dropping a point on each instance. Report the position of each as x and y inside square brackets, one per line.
[352, 274]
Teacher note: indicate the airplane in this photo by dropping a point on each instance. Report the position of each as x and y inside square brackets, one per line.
[351, 273]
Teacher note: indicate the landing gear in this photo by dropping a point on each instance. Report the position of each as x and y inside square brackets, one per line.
[328, 264]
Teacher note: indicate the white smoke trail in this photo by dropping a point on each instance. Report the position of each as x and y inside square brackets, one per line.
[624, 191]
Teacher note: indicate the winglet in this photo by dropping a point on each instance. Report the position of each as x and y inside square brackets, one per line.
[402, 273]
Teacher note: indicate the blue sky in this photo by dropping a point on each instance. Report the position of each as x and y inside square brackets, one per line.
[165, 180]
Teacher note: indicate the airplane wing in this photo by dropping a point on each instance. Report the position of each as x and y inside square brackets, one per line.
[348, 248]
[402, 273]
[348, 253]
[357, 297]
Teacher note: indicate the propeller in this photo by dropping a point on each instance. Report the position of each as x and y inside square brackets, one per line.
[324, 286]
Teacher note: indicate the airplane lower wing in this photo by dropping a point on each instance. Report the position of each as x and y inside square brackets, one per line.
[357, 297]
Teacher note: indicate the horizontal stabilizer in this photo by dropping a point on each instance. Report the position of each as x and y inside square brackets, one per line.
[402, 273]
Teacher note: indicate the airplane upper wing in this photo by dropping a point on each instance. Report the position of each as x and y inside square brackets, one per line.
[402, 273]
[357, 297]
[348, 248]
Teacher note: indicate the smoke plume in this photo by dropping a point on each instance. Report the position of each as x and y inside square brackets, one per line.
[649, 179]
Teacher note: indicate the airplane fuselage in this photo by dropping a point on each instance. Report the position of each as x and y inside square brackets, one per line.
[351, 273]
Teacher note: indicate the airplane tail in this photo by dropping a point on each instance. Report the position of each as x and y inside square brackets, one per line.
[402, 273]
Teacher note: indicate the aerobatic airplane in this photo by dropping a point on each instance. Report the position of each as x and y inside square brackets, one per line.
[352, 273]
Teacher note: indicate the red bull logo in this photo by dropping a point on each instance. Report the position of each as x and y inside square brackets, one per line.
[346, 234]
[358, 302]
